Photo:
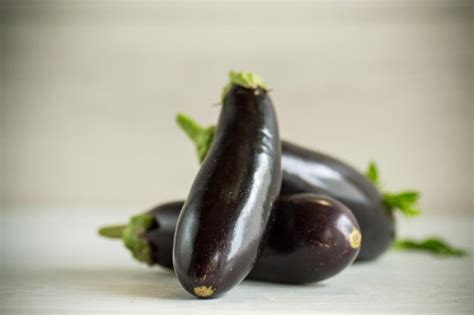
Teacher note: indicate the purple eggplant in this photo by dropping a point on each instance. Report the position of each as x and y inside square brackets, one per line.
[310, 171]
[220, 230]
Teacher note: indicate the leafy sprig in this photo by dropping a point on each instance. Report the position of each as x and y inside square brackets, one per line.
[404, 201]
[433, 245]
[373, 173]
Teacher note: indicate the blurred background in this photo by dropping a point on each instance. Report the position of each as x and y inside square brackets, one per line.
[90, 90]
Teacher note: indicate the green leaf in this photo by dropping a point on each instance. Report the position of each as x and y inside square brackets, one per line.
[372, 173]
[433, 245]
[408, 196]
[405, 202]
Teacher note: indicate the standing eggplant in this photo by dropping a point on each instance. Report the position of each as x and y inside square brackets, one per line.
[305, 170]
[313, 238]
[220, 230]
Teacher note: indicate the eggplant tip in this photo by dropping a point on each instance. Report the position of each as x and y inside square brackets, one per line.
[355, 238]
[203, 291]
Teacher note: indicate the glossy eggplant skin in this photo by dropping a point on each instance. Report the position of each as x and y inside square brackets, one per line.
[313, 238]
[160, 235]
[309, 171]
[220, 230]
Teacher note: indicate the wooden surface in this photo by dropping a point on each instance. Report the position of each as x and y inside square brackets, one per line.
[54, 263]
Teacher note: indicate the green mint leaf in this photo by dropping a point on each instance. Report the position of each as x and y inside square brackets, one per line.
[433, 245]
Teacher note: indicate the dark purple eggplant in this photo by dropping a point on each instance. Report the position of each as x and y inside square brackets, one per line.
[310, 171]
[220, 230]
[313, 238]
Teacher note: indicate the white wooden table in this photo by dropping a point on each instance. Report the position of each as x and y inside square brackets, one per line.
[54, 263]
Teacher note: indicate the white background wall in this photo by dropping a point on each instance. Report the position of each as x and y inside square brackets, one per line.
[90, 90]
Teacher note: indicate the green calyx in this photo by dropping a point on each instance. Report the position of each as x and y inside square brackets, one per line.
[433, 245]
[132, 236]
[200, 136]
[404, 201]
[247, 80]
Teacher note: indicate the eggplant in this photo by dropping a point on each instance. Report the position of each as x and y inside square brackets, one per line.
[307, 171]
[313, 238]
[220, 229]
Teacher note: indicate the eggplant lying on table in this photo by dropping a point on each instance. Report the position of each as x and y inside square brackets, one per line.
[313, 238]
[307, 171]
[310, 171]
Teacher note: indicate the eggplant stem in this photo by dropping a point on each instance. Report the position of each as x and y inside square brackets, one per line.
[200, 136]
[112, 231]
[190, 126]
[247, 80]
